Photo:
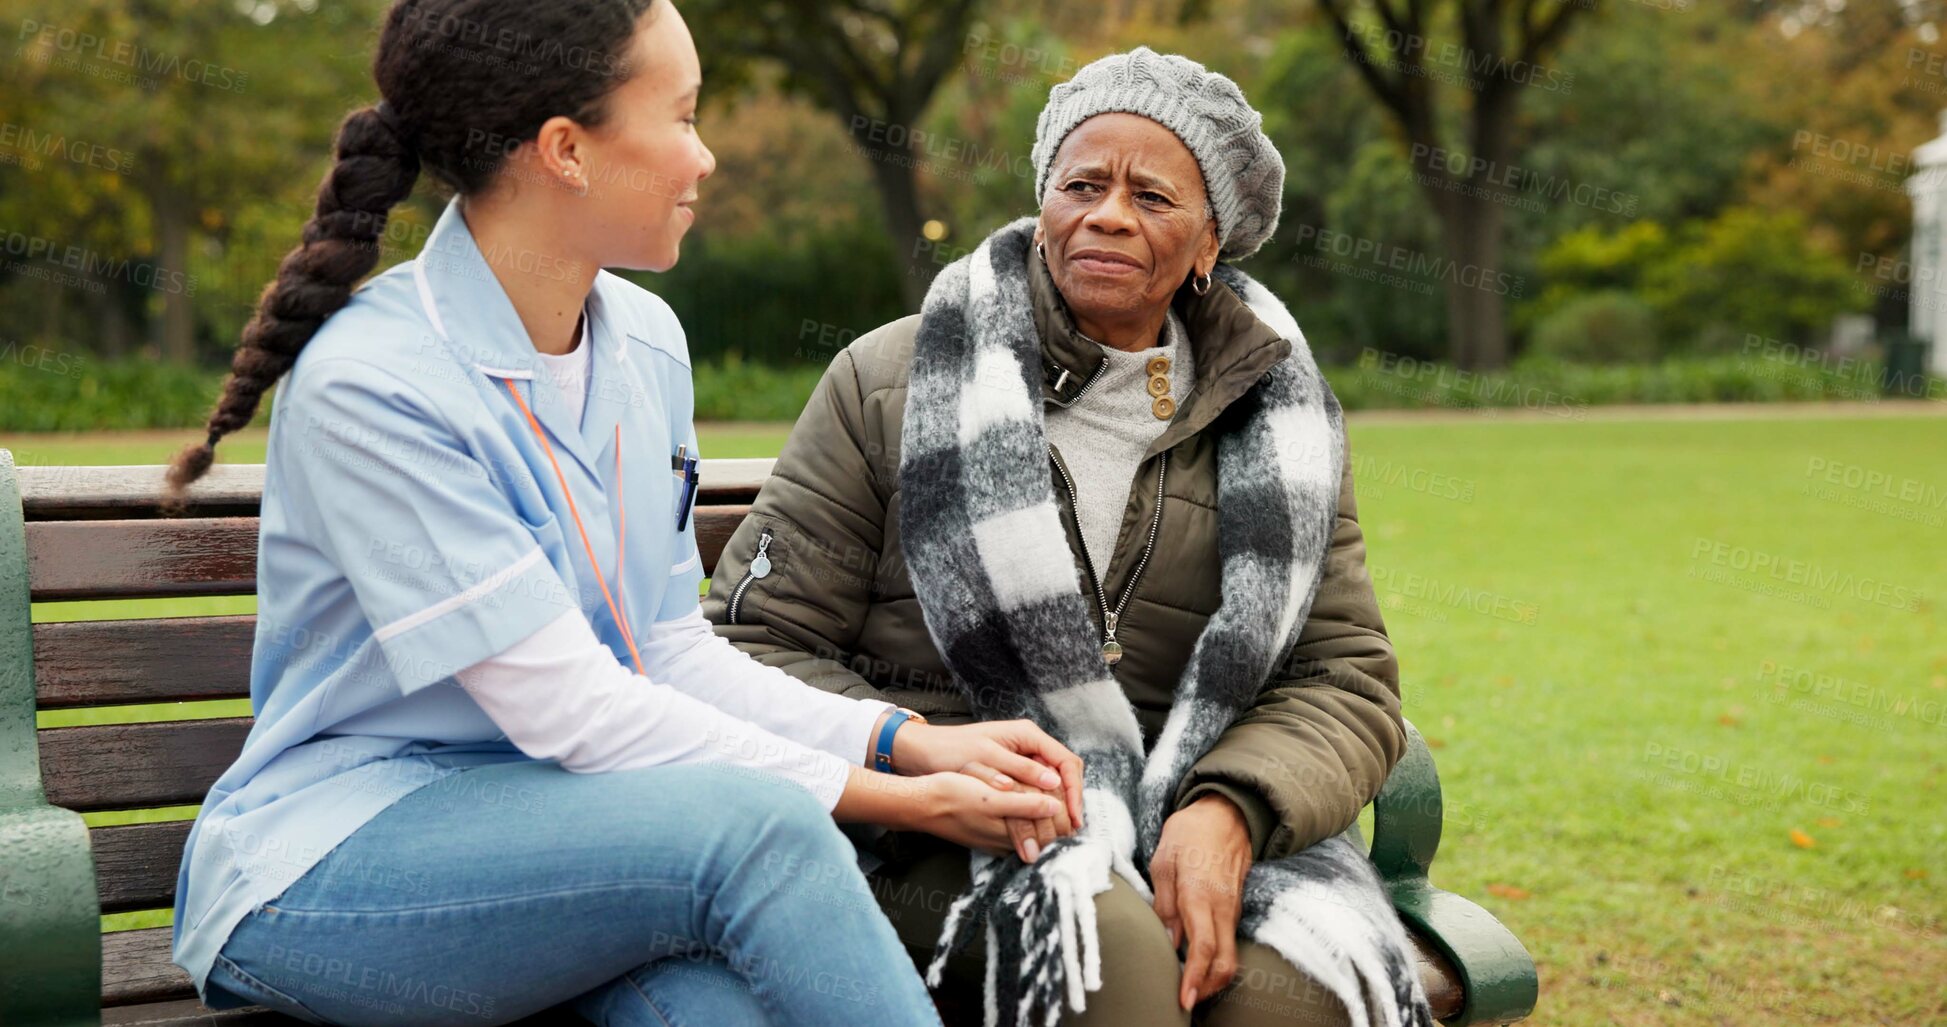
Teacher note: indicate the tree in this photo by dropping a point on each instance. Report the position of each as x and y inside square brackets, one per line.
[154, 125]
[875, 64]
[1503, 44]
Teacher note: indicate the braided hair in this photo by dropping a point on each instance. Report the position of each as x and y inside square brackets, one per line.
[463, 83]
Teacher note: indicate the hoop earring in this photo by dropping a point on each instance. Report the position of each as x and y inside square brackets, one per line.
[1200, 284]
[1042, 252]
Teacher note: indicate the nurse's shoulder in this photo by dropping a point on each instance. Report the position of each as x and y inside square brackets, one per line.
[380, 341]
[643, 317]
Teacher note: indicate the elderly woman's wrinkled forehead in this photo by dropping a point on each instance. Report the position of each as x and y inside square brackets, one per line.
[1108, 145]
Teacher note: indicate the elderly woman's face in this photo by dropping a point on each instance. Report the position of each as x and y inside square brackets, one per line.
[1124, 219]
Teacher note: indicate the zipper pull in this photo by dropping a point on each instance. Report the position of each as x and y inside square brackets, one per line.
[760, 565]
[1111, 649]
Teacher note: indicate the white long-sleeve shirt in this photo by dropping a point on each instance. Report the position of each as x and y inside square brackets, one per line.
[561, 695]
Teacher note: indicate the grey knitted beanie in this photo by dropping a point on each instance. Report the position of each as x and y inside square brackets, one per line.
[1242, 171]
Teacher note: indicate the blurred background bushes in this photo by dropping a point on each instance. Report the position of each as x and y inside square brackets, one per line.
[1674, 201]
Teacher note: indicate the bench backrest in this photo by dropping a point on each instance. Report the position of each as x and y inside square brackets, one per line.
[96, 533]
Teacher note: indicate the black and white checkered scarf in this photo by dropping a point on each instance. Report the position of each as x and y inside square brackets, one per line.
[996, 579]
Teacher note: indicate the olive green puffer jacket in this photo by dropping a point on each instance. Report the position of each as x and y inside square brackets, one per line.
[836, 607]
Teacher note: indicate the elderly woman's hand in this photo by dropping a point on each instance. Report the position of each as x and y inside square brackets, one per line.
[1198, 871]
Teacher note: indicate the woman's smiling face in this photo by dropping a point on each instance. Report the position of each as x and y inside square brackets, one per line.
[1125, 219]
[645, 159]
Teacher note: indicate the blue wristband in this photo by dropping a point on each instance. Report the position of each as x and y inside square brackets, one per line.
[882, 750]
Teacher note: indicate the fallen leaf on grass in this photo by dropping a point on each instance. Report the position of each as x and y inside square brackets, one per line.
[1507, 891]
[1829, 821]
[1915, 873]
[1803, 840]
[1728, 720]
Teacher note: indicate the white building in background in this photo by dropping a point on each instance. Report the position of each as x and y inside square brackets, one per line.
[1927, 293]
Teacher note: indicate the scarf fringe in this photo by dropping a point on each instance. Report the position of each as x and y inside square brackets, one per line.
[1040, 920]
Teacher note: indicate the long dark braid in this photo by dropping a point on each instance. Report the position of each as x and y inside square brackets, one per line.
[464, 81]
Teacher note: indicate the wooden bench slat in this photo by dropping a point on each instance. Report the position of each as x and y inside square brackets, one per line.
[164, 659]
[714, 526]
[192, 556]
[197, 556]
[92, 493]
[134, 766]
[188, 1012]
[135, 967]
[136, 864]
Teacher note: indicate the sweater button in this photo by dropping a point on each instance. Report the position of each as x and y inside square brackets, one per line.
[1158, 365]
[1164, 408]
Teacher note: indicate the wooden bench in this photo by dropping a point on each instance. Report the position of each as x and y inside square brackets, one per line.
[85, 533]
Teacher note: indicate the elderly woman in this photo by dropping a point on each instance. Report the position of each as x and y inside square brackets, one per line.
[1099, 483]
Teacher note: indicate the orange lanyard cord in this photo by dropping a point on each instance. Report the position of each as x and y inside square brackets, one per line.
[621, 529]
[628, 636]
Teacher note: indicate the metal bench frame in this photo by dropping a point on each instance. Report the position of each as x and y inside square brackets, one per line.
[92, 533]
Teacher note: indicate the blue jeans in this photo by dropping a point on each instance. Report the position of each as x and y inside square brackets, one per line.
[689, 895]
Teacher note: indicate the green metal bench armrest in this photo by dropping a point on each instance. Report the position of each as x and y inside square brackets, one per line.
[50, 918]
[1496, 972]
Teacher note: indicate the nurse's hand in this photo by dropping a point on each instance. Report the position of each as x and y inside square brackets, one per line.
[953, 806]
[979, 816]
[1001, 753]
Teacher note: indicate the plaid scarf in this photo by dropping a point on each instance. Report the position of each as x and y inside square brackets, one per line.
[996, 579]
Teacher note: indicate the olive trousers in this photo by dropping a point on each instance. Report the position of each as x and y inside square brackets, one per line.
[1141, 972]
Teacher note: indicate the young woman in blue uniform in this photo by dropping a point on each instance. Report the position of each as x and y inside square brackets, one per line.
[500, 761]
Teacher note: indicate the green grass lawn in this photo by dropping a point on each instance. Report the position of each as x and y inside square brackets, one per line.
[1686, 696]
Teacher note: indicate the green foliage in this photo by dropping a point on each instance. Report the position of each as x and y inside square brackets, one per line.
[1712, 283]
[1592, 259]
[1563, 389]
[1607, 327]
[734, 389]
[1750, 272]
[771, 303]
[43, 390]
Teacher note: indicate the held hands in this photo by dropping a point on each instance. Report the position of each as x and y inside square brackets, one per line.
[1014, 763]
[1198, 871]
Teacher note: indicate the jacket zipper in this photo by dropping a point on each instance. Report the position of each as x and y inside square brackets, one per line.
[762, 559]
[1100, 369]
[1112, 649]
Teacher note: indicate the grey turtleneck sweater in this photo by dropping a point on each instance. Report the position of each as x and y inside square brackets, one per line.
[1102, 436]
